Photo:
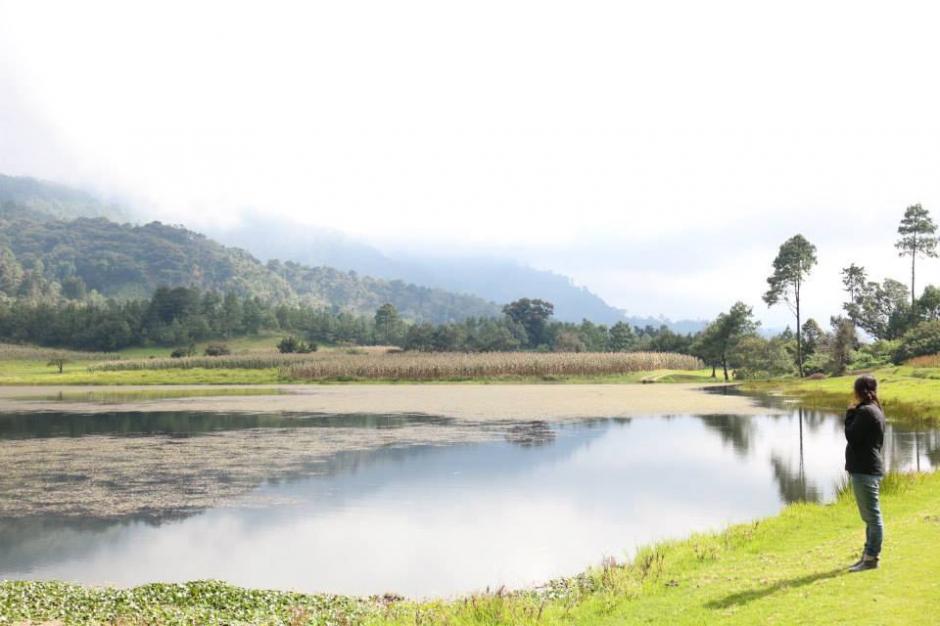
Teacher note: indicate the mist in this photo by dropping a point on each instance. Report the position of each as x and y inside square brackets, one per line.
[662, 173]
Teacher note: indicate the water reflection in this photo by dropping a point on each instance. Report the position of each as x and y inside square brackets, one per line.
[538, 501]
[39, 424]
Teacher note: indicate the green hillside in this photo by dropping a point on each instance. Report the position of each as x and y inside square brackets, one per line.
[43, 200]
[50, 250]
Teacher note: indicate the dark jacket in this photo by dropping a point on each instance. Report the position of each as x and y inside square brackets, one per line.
[865, 432]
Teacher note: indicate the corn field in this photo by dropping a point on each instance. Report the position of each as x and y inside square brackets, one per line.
[445, 366]
[425, 366]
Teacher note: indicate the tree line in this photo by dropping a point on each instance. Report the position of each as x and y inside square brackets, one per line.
[901, 324]
[181, 316]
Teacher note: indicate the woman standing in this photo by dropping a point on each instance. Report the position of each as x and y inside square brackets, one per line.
[865, 432]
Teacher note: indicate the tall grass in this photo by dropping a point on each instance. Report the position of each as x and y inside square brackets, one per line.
[446, 366]
[424, 366]
[928, 360]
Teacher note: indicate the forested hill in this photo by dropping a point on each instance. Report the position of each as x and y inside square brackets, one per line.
[44, 200]
[45, 257]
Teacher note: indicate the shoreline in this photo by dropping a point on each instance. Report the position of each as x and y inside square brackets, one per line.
[758, 572]
[459, 401]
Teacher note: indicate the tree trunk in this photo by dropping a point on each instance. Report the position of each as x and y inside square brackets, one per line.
[799, 333]
[713, 370]
[724, 366]
[913, 260]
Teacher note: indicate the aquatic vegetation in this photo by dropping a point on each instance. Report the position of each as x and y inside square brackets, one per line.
[208, 603]
[155, 393]
[104, 476]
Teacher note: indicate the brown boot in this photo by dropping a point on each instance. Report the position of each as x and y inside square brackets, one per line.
[867, 562]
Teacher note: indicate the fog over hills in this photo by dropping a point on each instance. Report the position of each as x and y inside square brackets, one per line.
[484, 282]
[493, 278]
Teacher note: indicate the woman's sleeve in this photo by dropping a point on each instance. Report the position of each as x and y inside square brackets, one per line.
[858, 424]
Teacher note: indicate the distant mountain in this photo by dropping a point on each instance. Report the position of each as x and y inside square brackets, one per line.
[494, 279]
[74, 234]
[44, 200]
[44, 256]
[497, 280]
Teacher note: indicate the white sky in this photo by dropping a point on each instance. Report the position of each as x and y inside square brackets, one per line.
[658, 152]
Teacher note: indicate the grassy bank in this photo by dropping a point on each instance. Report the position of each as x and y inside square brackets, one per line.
[26, 374]
[784, 570]
[906, 392]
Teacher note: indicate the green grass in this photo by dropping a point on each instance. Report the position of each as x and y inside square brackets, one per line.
[155, 392]
[788, 569]
[262, 342]
[906, 392]
[37, 373]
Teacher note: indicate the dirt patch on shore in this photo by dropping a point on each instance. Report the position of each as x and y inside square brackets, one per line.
[461, 401]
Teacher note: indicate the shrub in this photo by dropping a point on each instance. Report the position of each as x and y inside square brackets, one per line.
[179, 353]
[292, 345]
[921, 340]
[875, 354]
[817, 363]
[568, 341]
[217, 349]
[756, 357]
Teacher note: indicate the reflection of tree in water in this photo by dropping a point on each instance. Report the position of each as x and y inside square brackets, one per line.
[932, 448]
[811, 419]
[28, 542]
[736, 430]
[740, 432]
[792, 482]
[907, 448]
[529, 434]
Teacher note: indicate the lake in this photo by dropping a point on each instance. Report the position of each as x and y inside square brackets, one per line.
[411, 504]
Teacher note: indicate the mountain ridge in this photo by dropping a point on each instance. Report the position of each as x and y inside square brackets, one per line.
[77, 235]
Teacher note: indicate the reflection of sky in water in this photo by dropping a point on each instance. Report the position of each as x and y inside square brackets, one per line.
[443, 520]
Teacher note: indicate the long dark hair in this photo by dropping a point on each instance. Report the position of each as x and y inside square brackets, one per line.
[866, 389]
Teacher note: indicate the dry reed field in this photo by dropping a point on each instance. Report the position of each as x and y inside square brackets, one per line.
[425, 366]
[450, 366]
[930, 360]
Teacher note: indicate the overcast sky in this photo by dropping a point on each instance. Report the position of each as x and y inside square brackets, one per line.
[657, 152]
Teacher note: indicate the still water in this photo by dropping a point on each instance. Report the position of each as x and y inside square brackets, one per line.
[521, 505]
